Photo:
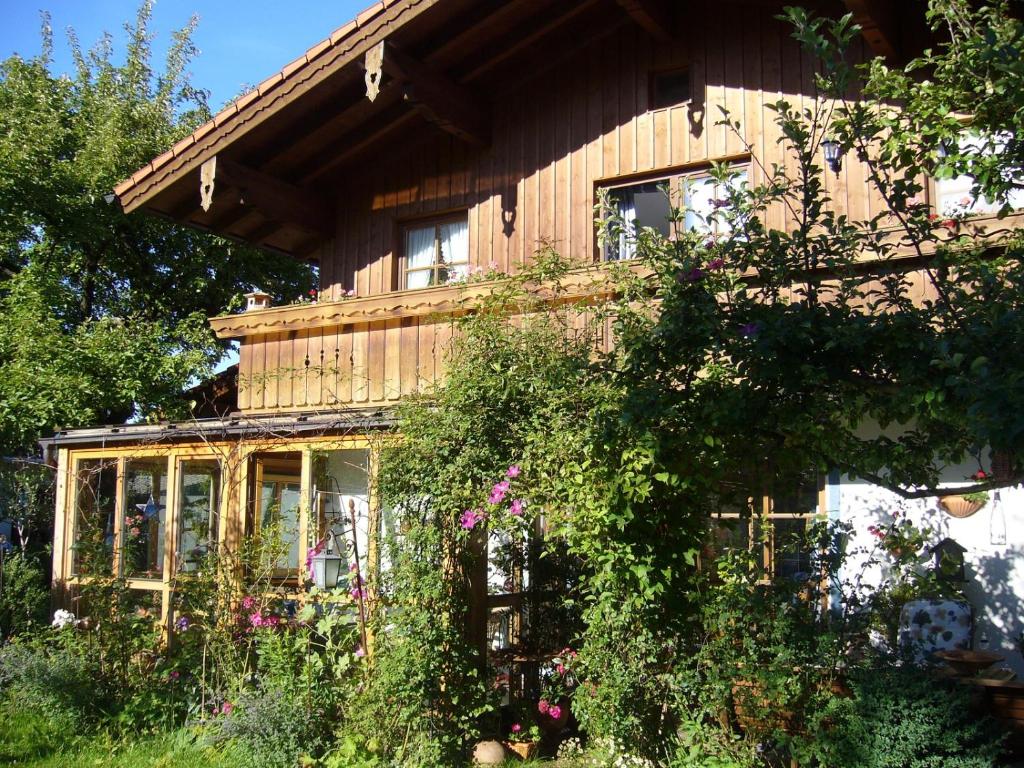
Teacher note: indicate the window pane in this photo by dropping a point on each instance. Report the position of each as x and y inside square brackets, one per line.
[455, 242]
[94, 517]
[792, 555]
[699, 202]
[638, 206]
[279, 514]
[419, 279]
[145, 500]
[198, 511]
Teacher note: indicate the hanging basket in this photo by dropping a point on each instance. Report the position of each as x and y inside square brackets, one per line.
[959, 507]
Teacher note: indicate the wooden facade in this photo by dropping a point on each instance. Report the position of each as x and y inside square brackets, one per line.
[513, 114]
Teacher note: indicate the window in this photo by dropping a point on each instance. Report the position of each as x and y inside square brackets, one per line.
[198, 512]
[649, 204]
[145, 507]
[94, 524]
[775, 531]
[669, 89]
[437, 252]
[954, 196]
[278, 487]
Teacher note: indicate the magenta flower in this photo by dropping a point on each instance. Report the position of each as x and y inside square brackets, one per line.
[543, 707]
[517, 507]
[716, 263]
[248, 603]
[554, 711]
[516, 727]
[471, 517]
[561, 669]
[174, 674]
[226, 707]
[256, 619]
[694, 274]
[352, 567]
[513, 471]
[498, 492]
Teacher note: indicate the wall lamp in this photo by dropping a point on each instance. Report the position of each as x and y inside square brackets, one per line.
[833, 157]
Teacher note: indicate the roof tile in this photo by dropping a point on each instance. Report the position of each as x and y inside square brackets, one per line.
[343, 32]
[269, 83]
[369, 13]
[294, 67]
[246, 99]
[185, 143]
[162, 159]
[202, 130]
[317, 49]
[225, 114]
[142, 173]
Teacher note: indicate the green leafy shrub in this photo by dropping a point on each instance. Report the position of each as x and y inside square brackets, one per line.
[25, 600]
[271, 729]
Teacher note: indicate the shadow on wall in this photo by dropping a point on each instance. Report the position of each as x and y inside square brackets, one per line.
[994, 562]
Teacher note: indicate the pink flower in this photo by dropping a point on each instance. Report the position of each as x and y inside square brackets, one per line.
[516, 727]
[561, 669]
[353, 567]
[174, 674]
[517, 507]
[248, 603]
[498, 492]
[256, 619]
[360, 653]
[554, 712]
[135, 531]
[513, 471]
[543, 707]
[471, 517]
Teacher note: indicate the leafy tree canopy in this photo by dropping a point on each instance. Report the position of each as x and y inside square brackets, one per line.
[102, 314]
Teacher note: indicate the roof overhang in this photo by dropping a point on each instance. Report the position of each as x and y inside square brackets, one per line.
[270, 168]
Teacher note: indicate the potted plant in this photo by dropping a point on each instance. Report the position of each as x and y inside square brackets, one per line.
[557, 686]
[961, 505]
[523, 741]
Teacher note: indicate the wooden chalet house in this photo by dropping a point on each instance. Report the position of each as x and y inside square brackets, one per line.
[424, 141]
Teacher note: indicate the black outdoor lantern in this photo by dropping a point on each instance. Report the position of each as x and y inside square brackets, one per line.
[949, 561]
[833, 157]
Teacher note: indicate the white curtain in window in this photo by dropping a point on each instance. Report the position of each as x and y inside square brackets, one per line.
[455, 249]
[419, 254]
[954, 195]
[626, 246]
[699, 202]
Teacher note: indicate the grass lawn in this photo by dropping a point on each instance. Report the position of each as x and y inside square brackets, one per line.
[27, 740]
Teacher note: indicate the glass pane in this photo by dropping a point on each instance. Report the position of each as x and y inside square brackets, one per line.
[792, 555]
[419, 279]
[145, 510]
[198, 512]
[279, 510]
[699, 202]
[94, 517]
[803, 502]
[455, 242]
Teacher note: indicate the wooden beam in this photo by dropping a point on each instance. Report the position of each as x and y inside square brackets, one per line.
[878, 23]
[355, 146]
[276, 199]
[653, 16]
[442, 102]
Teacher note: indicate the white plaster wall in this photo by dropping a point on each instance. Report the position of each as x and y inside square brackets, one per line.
[994, 561]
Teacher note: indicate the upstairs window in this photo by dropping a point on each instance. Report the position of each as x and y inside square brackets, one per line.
[670, 89]
[436, 252]
[955, 196]
[649, 204]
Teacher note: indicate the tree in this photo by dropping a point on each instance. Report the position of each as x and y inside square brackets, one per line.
[102, 315]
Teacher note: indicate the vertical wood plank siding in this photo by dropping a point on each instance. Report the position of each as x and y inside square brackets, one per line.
[556, 138]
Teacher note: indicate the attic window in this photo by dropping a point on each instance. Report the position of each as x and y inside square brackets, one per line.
[669, 89]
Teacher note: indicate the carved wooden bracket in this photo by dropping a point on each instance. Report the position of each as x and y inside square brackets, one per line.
[277, 200]
[207, 173]
[373, 65]
[440, 101]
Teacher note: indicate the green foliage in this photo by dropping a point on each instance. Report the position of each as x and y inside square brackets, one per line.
[25, 600]
[103, 313]
[271, 729]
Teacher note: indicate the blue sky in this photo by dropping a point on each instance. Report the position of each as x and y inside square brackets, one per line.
[241, 43]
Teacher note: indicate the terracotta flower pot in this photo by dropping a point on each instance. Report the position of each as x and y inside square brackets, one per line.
[959, 507]
[527, 750]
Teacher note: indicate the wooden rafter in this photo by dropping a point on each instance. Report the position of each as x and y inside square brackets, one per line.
[275, 199]
[442, 102]
[878, 23]
[653, 16]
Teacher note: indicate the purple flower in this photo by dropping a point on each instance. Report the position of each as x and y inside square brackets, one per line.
[182, 624]
[513, 471]
[517, 507]
[498, 492]
[360, 653]
[694, 275]
[471, 517]
[716, 263]
[750, 330]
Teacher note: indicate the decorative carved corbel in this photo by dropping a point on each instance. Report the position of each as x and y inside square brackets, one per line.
[207, 174]
[373, 64]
